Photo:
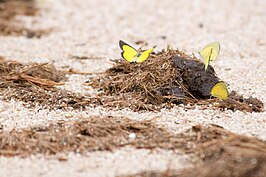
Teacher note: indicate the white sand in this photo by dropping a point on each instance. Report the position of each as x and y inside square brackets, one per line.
[93, 28]
[124, 161]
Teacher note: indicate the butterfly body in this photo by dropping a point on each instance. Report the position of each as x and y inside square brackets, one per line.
[132, 55]
[210, 53]
[219, 90]
[136, 57]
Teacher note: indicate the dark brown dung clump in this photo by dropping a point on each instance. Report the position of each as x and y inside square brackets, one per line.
[167, 78]
[198, 81]
[9, 25]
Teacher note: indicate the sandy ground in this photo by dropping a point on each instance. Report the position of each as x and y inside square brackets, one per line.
[93, 28]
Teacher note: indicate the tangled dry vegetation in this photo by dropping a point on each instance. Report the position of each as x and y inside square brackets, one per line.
[35, 85]
[216, 151]
[221, 154]
[166, 79]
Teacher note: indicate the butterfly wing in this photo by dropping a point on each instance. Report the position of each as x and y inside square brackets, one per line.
[210, 53]
[144, 55]
[219, 90]
[129, 53]
[207, 59]
[215, 50]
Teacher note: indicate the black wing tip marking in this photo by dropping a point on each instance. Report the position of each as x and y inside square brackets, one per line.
[122, 55]
[121, 43]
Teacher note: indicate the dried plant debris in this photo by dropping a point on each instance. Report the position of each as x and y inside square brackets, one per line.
[83, 135]
[145, 85]
[165, 79]
[237, 102]
[34, 84]
[222, 154]
[38, 74]
[123, 86]
[217, 152]
[9, 25]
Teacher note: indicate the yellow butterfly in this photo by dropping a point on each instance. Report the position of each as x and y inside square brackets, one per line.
[210, 53]
[132, 55]
[219, 90]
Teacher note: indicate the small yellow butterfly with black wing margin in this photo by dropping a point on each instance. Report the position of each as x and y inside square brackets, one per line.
[210, 53]
[219, 90]
[132, 55]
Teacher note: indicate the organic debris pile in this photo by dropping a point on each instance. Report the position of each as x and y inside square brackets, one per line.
[34, 84]
[216, 152]
[166, 78]
[39, 74]
[150, 85]
[222, 154]
[9, 25]
[91, 134]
